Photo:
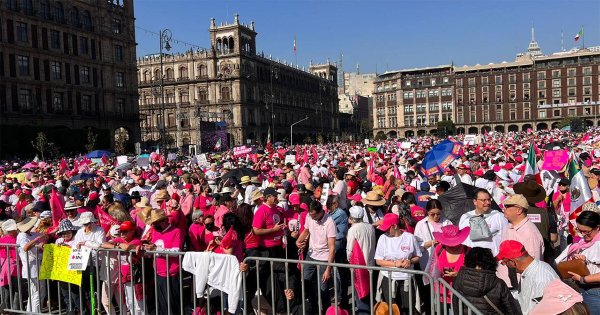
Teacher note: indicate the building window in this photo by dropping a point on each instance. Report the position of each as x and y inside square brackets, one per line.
[555, 83]
[557, 113]
[170, 120]
[54, 39]
[542, 113]
[571, 82]
[556, 93]
[59, 13]
[587, 80]
[57, 101]
[12, 5]
[202, 96]
[23, 64]
[446, 80]
[86, 19]
[44, 8]
[572, 112]
[541, 75]
[571, 72]
[225, 94]
[83, 45]
[119, 52]
[55, 70]
[120, 106]
[526, 77]
[555, 73]
[526, 114]
[85, 74]
[587, 90]
[408, 109]
[541, 84]
[407, 83]
[116, 26]
[120, 79]
[432, 82]
[22, 32]
[459, 82]
[25, 100]
[571, 92]
[75, 17]
[86, 104]
[498, 79]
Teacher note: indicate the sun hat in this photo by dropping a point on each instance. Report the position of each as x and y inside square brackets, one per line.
[389, 220]
[70, 205]
[245, 179]
[516, 200]
[332, 311]
[226, 190]
[144, 202]
[46, 214]
[162, 195]
[373, 199]
[144, 214]
[451, 235]
[510, 249]
[27, 224]
[294, 199]
[532, 191]
[157, 215]
[65, 225]
[255, 180]
[270, 191]
[87, 217]
[356, 212]
[557, 298]
[9, 225]
[257, 194]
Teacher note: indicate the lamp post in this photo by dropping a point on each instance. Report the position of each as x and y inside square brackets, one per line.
[165, 38]
[274, 73]
[292, 129]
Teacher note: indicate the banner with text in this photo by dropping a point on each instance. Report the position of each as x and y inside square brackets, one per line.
[55, 265]
[555, 160]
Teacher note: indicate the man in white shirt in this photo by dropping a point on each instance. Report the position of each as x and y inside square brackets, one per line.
[30, 252]
[494, 219]
[341, 188]
[362, 232]
[535, 274]
[462, 174]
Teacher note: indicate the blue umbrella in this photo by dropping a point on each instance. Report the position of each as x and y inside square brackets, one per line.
[98, 154]
[82, 176]
[440, 157]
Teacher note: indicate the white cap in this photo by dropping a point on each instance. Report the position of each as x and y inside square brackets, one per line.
[357, 212]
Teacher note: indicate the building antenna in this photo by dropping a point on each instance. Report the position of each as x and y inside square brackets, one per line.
[341, 78]
[562, 40]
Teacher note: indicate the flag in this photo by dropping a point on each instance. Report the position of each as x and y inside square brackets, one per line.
[218, 145]
[63, 166]
[294, 44]
[57, 205]
[36, 158]
[268, 147]
[106, 221]
[361, 276]
[531, 165]
[305, 156]
[579, 34]
[105, 160]
[315, 155]
[580, 189]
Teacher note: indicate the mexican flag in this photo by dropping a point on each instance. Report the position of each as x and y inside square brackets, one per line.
[580, 189]
[531, 164]
[580, 34]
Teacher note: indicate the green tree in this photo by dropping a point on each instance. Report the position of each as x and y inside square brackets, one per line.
[92, 138]
[121, 140]
[41, 144]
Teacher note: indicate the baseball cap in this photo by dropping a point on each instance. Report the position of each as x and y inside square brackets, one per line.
[565, 182]
[126, 226]
[294, 199]
[357, 212]
[510, 249]
[516, 200]
[389, 220]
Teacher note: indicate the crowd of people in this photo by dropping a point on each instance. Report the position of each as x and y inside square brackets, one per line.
[520, 247]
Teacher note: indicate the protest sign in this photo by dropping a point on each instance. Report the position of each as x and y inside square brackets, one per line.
[324, 193]
[121, 159]
[470, 140]
[78, 260]
[171, 157]
[290, 159]
[202, 160]
[97, 161]
[54, 265]
[555, 160]
[550, 180]
[143, 161]
[405, 145]
[241, 150]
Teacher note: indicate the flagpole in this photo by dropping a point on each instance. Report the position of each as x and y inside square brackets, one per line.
[582, 37]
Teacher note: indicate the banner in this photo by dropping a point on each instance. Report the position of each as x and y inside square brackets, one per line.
[550, 180]
[121, 159]
[54, 265]
[241, 150]
[202, 160]
[290, 159]
[470, 140]
[78, 259]
[143, 161]
[405, 145]
[555, 160]
[171, 157]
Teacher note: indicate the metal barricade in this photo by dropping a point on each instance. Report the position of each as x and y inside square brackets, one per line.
[462, 301]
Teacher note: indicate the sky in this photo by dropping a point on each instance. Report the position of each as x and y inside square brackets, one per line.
[377, 35]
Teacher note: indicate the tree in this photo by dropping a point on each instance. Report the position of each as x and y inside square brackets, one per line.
[320, 139]
[446, 127]
[380, 136]
[121, 140]
[565, 122]
[92, 138]
[308, 140]
[41, 144]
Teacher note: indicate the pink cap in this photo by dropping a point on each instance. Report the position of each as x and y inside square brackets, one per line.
[294, 199]
[558, 297]
[389, 220]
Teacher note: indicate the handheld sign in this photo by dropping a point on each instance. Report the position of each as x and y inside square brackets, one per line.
[78, 260]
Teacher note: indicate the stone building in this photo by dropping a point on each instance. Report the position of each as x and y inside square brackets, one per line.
[67, 67]
[235, 91]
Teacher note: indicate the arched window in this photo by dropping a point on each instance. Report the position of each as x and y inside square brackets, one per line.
[202, 71]
[86, 19]
[225, 93]
[183, 73]
[202, 96]
[156, 74]
[147, 77]
[170, 74]
[231, 46]
[59, 13]
[218, 45]
[75, 17]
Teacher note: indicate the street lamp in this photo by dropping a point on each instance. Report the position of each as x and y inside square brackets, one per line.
[274, 73]
[165, 37]
[292, 129]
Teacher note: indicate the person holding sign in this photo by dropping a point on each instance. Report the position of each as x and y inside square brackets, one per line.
[70, 293]
[30, 252]
[131, 277]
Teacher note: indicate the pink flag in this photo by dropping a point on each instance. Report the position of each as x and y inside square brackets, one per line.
[105, 160]
[315, 155]
[63, 166]
[57, 205]
[305, 156]
[396, 172]
[361, 276]
[106, 221]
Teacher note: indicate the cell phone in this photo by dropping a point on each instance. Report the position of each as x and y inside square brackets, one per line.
[446, 270]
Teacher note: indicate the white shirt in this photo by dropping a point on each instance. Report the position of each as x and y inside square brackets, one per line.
[364, 233]
[592, 257]
[533, 282]
[466, 179]
[496, 222]
[404, 246]
[248, 193]
[424, 233]
[92, 240]
[33, 257]
[341, 188]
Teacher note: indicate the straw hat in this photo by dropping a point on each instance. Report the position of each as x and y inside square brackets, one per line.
[9, 225]
[162, 195]
[245, 179]
[144, 214]
[373, 199]
[27, 224]
[157, 215]
[255, 180]
[144, 202]
[257, 194]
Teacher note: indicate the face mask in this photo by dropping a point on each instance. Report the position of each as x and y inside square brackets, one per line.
[210, 226]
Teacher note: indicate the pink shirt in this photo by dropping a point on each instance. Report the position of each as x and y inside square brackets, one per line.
[320, 233]
[266, 218]
[170, 239]
[198, 242]
[8, 267]
[221, 211]
[527, 234]
[442, 263]
[125, 263]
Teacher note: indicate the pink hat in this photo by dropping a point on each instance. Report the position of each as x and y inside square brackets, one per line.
[558, 297]
[294, 199]
[451, 235]
[389, 220]
[510, 249]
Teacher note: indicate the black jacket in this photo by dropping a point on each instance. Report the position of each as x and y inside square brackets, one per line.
[473, 284]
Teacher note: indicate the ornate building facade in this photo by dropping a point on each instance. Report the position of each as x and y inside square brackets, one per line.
[67, 67]
[234, 88]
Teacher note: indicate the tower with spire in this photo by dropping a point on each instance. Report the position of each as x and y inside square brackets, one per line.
[533, 50]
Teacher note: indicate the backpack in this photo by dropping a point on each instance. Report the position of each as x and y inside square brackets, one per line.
[480, 231]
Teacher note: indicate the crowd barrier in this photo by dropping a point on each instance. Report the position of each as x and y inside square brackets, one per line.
[104, 290]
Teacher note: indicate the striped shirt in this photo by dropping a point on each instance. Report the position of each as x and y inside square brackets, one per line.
[534, 280]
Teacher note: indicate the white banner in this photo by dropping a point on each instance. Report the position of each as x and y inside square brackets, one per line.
[121, 159]
[470, 140]
[290, 159]
[202, 159]
[78, 260]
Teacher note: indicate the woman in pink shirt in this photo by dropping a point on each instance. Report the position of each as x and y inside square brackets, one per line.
[204, 199]
[196, 232]
[232, 242]
[449, 256]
